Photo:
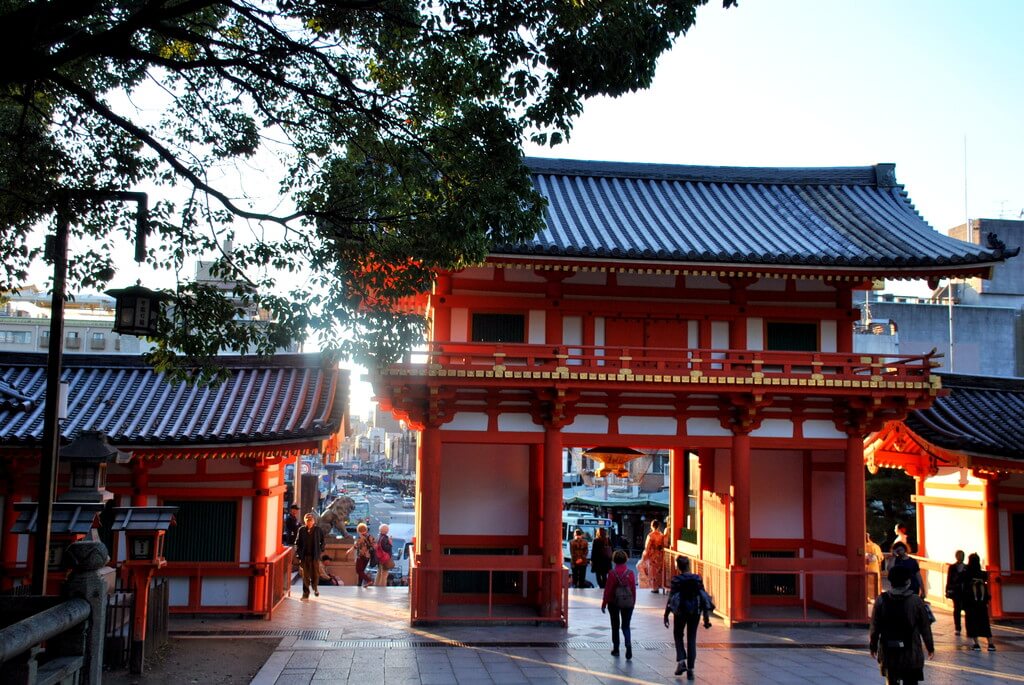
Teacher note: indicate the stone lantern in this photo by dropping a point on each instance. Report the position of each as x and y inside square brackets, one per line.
[87, 458]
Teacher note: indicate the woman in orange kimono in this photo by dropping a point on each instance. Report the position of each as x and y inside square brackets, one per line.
[652, 562]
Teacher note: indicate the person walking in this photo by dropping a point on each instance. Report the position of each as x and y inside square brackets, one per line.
[620, 598]
[309, 545]
[363, 549]
[686, 604]
[291, 525]
[955, 577]
[902, 559]
[652, 561]
[384, 553]
[873, 566]
[900, 624]
[975, 599]
[601, 557]
[578, 549]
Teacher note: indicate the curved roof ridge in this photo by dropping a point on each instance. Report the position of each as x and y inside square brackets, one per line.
[878, 174]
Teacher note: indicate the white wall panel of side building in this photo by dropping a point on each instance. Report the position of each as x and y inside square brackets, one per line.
[460, 324]
[467, 421]
[588, 424]
[519, 423]
[828, 508]
[496, 474]
[245, 535]
[647, 425]
[755, 333]
[776, 497]
[224, 592]
[828, 335]
[535, 335]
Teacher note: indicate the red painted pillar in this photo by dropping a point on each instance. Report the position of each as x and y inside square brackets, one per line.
[922, 548]
[844, 324]
[677, 493]
[740, 525]
[856, 587]
[993, 559]
[428, 535]
[260, 524]
[140, 483]
[552, 532]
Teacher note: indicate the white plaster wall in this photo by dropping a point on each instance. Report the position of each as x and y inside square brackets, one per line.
[1004, 541]
[705, 427]
[475, 473]
[720, 335]
[522, 276]
[776, 494]
[522, 423]
[948, 529]
[588, 424]
[705, 283]
[478, 273]
[648, 280]
[177, 590]
[459, 324]
[224, 592]
[536, 333]
[647, 425]
[829, 335]
[822, 429]
[769, 285]
[755, 333]
[812, 285]
[830, 590]
[692, 335]
[599, 332]
[1013, 598]
[588, 278]
[467, 421]
[951, 476]
[245, 535]
[774, 428]
[828, 508]
[219, 466]
[572, 330]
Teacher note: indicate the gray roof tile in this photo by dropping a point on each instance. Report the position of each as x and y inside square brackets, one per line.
[285, 397]
[852, 217]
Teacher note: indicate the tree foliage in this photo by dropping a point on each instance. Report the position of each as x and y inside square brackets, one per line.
[398, 126]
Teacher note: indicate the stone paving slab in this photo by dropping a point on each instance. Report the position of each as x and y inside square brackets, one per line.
[361, 636]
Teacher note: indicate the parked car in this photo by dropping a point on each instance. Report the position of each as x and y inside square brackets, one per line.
[408, 502]
[388, 497]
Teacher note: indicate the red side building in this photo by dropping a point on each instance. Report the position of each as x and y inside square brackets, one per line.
[218, 453]
[704, 310]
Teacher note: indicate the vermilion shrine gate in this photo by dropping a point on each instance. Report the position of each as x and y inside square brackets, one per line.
[704, 310]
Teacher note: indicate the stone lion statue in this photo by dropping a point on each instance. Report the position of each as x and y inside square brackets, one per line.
[335, 515]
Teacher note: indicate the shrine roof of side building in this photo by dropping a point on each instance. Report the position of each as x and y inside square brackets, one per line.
[268, 400]
[852, 219]
[979, 415]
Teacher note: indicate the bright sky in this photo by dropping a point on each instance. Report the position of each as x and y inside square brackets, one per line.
[827, 83]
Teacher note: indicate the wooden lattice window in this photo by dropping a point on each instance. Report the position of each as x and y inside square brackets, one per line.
[204, 531]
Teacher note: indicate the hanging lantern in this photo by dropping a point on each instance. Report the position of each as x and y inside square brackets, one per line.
[137, 310]
[613, 460]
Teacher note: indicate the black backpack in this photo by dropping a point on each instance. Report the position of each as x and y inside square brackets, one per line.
[897, 633]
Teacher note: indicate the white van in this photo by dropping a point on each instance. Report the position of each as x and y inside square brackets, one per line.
[586, 521]
[401, 548]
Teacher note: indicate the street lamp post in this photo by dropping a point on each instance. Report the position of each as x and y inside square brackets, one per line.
[57, 249]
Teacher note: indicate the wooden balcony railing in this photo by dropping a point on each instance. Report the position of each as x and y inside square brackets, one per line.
[811, 368]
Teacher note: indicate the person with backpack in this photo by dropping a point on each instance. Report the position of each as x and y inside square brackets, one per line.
[900, 624]
[620, 598]
[974, 599]
[686, 602]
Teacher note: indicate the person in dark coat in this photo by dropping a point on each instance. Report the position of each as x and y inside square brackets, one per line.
[900, 625]
[291, 525]
[601, 556]
[686, 604]
[309, 545]
[955, 577]
[974, 598]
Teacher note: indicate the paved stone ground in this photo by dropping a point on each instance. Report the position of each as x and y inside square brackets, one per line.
[349, 635]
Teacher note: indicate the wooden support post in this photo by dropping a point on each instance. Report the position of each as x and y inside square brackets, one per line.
[856, 587]
[552, 532]
[922, 547]
[740, 525]
[428, 516]
[993, 561]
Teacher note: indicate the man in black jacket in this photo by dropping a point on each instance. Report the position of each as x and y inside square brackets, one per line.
[309, 545]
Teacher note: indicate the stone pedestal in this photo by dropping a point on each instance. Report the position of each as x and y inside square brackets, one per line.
[342, 564]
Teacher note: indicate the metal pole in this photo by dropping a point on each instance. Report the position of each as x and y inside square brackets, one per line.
[51, 427]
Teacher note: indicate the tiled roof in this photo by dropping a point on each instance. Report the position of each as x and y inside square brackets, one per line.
[280, 398]
[841, 217]
[981, 415]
